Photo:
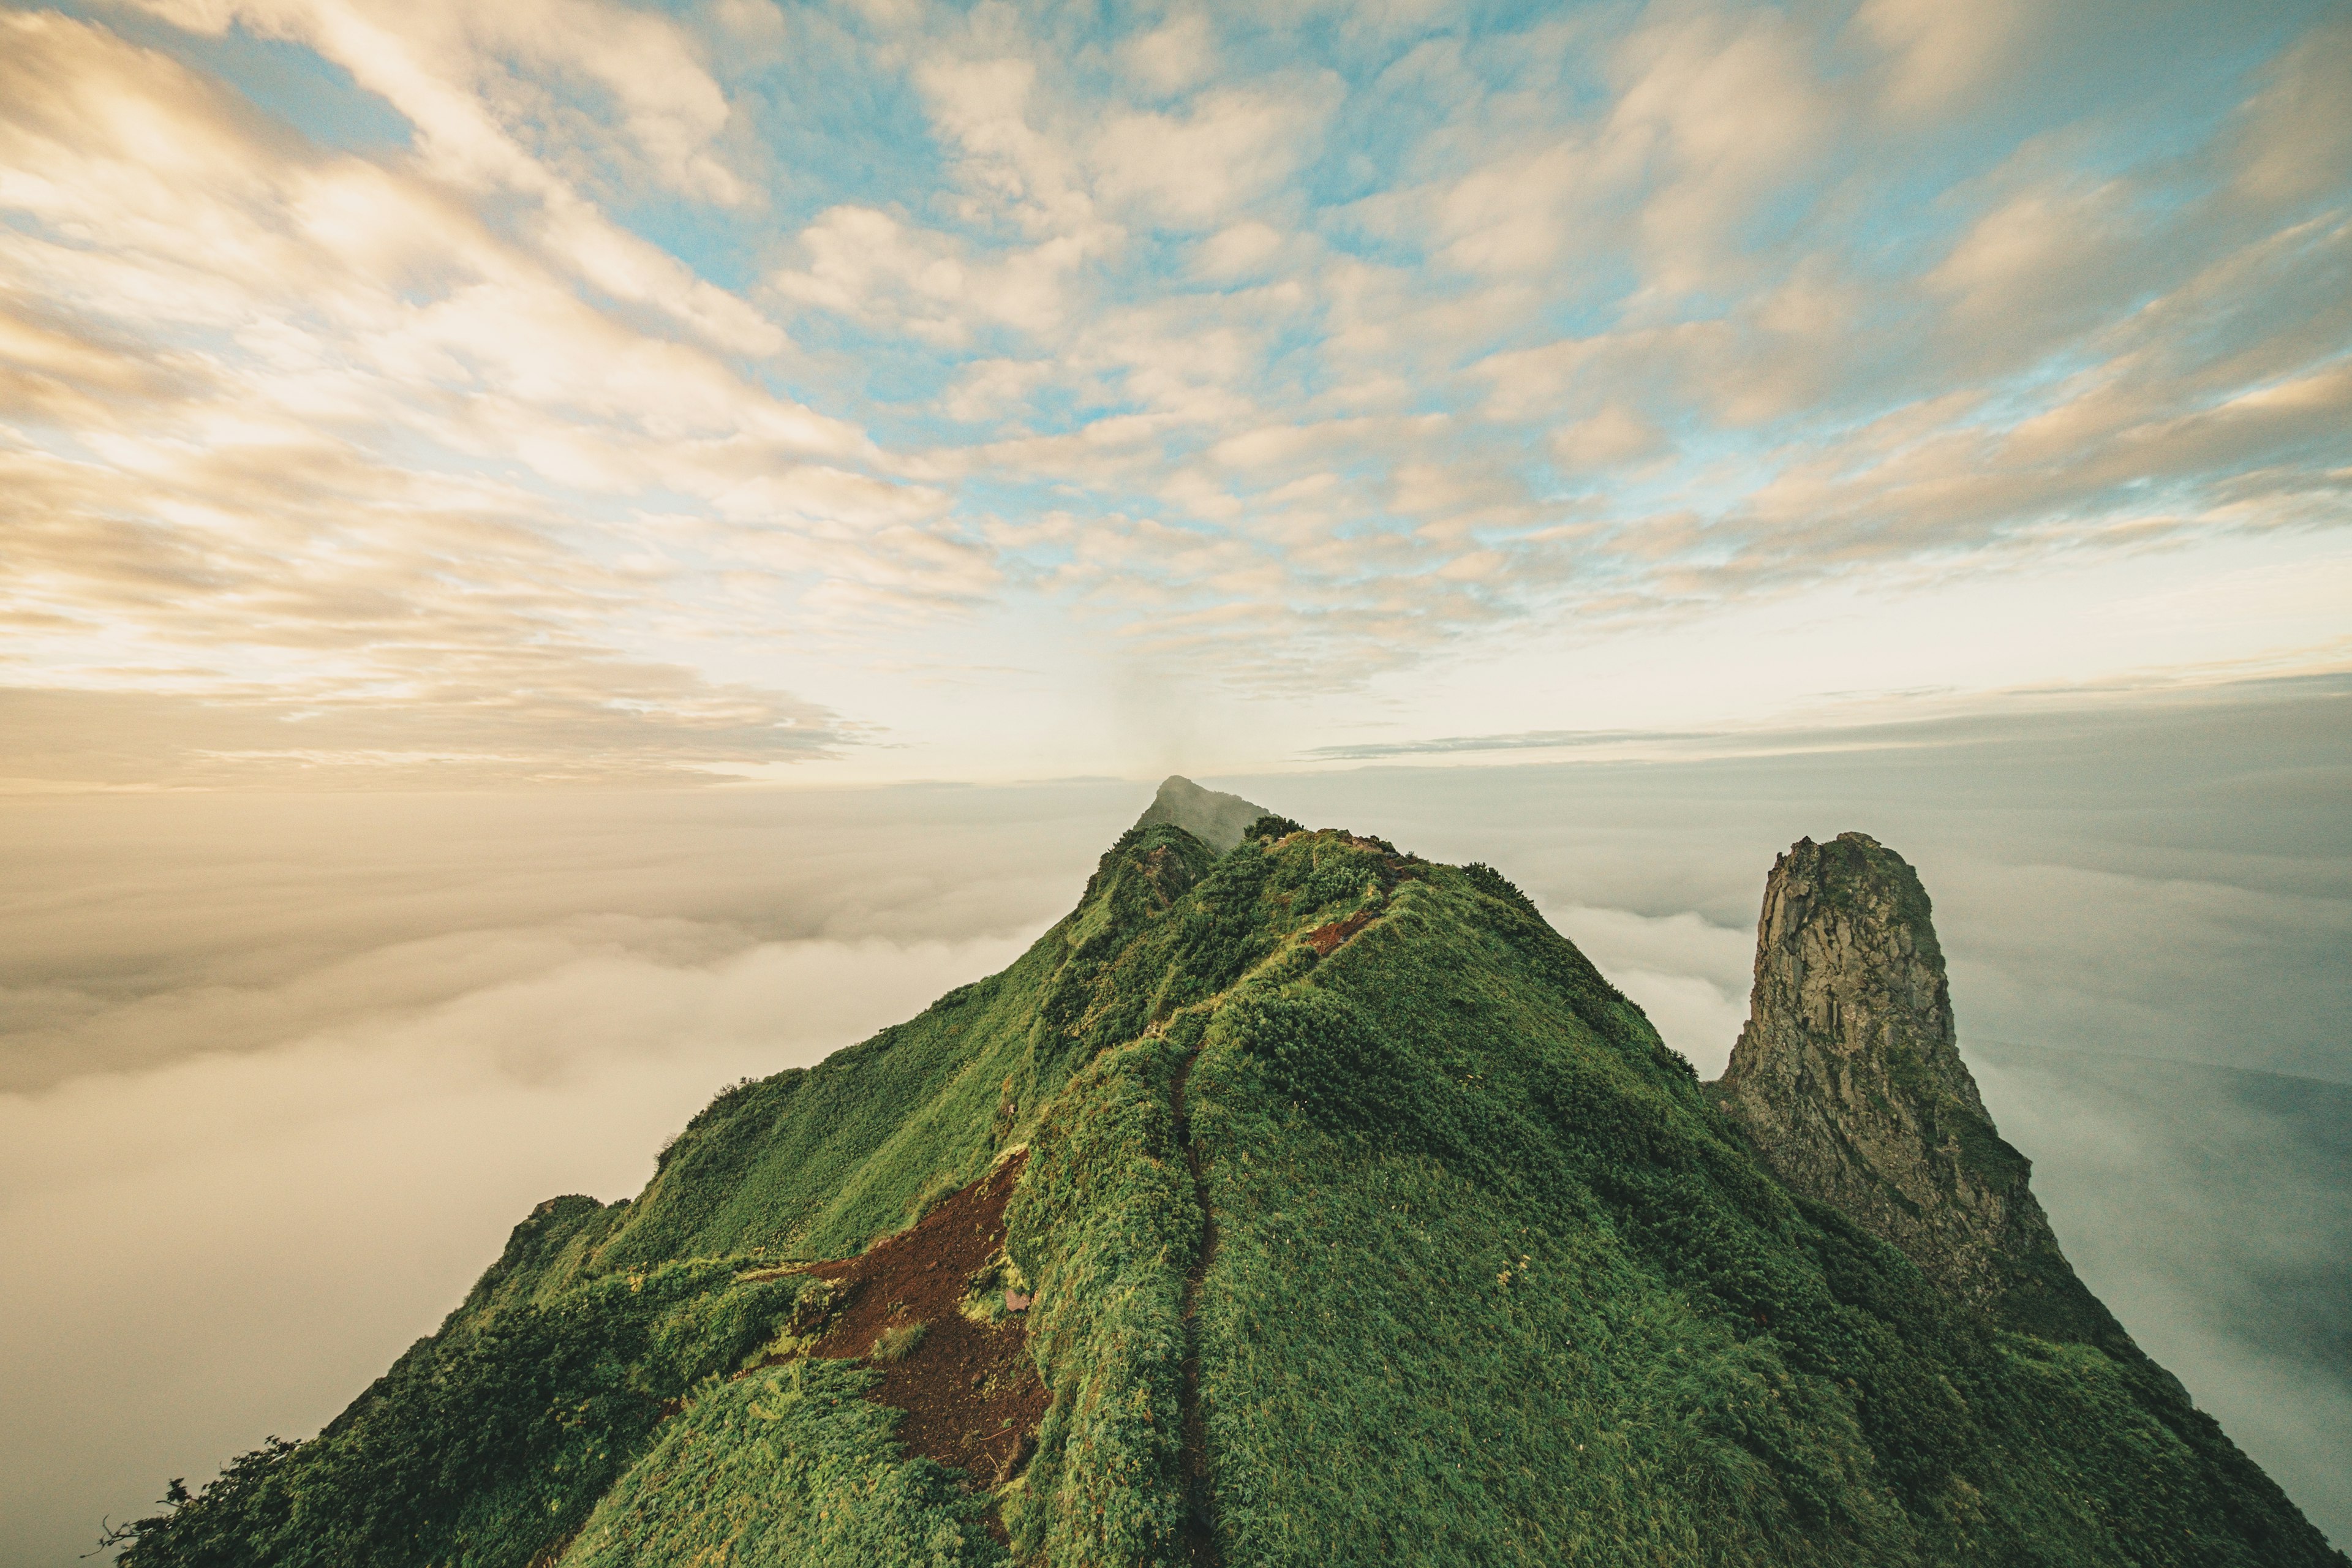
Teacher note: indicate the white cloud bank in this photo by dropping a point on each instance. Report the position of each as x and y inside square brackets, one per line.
[226, 1245]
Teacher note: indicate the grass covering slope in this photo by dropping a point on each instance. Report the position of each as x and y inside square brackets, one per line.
[817, 1162]
[489, 1442]
[786, 1468]
[1476, 1221]
[1105, 1223]
[1491, 1284]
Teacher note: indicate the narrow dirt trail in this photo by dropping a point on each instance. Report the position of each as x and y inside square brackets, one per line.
[1199, 1527]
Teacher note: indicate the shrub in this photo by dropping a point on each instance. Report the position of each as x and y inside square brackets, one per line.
[896, 1343]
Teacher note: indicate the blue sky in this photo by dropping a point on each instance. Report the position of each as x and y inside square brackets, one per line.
[563, 390]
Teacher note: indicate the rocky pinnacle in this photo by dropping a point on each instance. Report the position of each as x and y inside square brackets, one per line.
[1848, 1079]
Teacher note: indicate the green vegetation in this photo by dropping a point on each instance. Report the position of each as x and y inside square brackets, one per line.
[490, 1441]
[1475, 1220]
[1105, 1221]
[790, 1465]
[897, 1343]
[1491, 1284]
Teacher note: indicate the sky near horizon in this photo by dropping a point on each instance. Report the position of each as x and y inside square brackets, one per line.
[562, 390]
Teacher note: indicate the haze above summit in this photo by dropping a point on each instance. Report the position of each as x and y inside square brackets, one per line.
[429, 394]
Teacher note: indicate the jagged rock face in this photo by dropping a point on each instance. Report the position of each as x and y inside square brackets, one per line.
[1848, 1078]
[1215, 818]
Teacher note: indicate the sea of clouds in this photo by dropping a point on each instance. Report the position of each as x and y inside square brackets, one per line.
[278, 1073]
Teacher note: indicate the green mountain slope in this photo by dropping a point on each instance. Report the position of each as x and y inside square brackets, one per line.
[1353, 1217]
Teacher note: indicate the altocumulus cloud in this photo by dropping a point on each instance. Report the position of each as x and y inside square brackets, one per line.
[574, 390]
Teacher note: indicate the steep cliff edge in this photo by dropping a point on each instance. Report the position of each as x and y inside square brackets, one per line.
[1848, 1079]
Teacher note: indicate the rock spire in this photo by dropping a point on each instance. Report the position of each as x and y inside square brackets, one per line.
[1848, 1079]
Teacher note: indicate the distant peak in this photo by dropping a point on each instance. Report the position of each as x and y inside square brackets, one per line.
[1213, 817]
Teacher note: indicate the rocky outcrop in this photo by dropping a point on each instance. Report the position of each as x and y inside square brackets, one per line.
[1212, 817]
[1849, 1082]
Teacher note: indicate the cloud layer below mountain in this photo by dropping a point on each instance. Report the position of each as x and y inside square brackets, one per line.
[277, 1072]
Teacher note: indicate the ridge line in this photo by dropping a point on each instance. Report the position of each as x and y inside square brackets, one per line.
[1200, 1524]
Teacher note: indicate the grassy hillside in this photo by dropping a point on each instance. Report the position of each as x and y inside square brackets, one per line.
[1475, 1219]
[1479, 1279]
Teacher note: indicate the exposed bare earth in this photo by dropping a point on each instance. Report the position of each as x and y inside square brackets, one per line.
[1324, 939]
[971, 1395]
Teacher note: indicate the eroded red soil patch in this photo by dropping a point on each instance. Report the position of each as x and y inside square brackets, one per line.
[971, 1395]
[1323, 939]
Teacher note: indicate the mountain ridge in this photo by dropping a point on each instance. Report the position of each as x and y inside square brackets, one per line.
[1470, 1215]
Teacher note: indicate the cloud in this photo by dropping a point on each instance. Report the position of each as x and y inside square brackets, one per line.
[1173, 57]
[271, 1230]
[480, 82]
[2204, 383]
[1239, 250]
[748, 346]
[1230, 147]
[1723, 111]
[272, 397]
[1009, 167]
[2294, 139]
[2217, 1234]
[1525, 741]
[1614, 434]
[249, 904]
[568, 722]
[2040, 261]
[1688, 975]
[1934, 55]
[868, 264]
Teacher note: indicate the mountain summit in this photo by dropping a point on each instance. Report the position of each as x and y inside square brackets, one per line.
[1300, 1203]
[1215, 818]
